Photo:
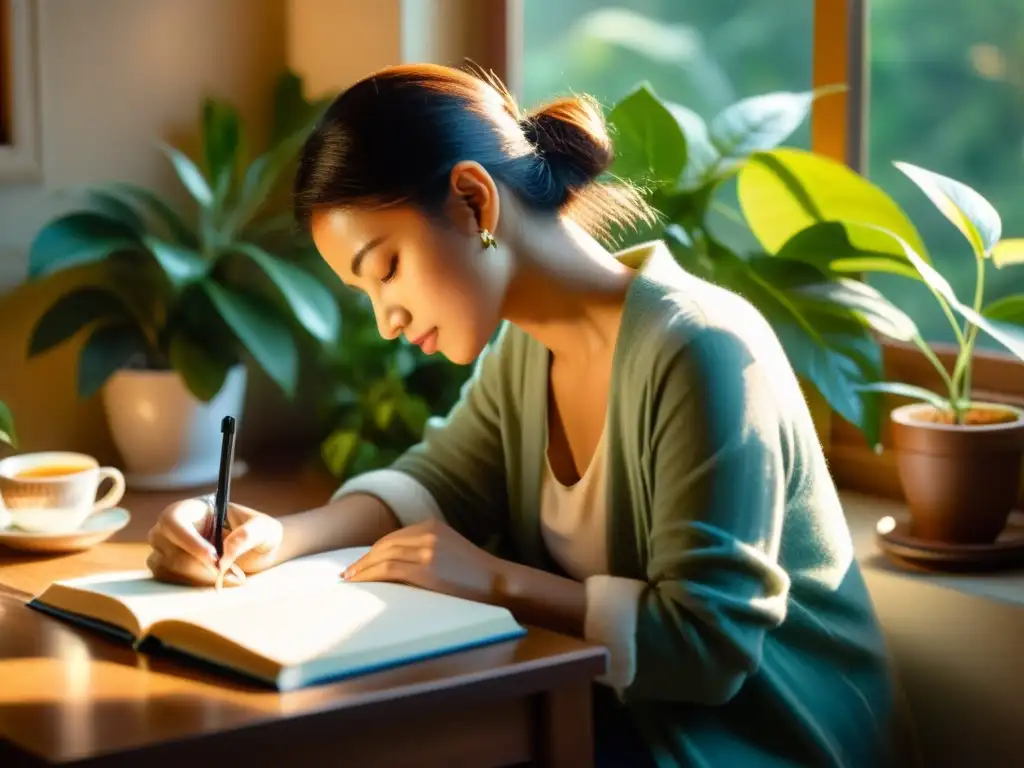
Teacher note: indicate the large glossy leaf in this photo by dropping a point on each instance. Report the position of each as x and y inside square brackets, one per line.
[260, 331]
[108, 349]
[202, 371]
[759, 122]
[834, 353]
[1009, 335]
[72, 312]
[222, 138]
[845, 295]
[190, 176]
[1009, 309]
[908, 390]
[155, 208]
[969, 212]
[832, 247]
[650, 145]
[311, 301]
[787, 190]
[181, 265]
[1008, 252]
[7, 434]
[76, 239]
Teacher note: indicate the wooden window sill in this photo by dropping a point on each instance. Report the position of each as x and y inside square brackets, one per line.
[863, 511]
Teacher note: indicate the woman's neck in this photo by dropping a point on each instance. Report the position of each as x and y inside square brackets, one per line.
[567, 291]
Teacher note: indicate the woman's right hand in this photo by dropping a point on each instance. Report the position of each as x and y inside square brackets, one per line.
[183, 551]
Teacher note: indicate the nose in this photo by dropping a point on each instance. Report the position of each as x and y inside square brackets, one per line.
[390, 321]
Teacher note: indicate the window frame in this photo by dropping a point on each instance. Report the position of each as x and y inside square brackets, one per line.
[20, 159]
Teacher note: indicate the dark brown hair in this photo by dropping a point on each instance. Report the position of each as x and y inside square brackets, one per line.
[394, 137]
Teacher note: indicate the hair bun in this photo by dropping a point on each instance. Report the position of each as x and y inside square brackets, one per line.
[571, 136]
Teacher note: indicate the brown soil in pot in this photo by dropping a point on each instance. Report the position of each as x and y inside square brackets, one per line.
[960, 481]
[974, 417]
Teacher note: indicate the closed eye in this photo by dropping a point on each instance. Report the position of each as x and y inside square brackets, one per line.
[392, 270]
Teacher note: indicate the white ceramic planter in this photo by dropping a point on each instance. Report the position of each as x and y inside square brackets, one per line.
[167, 438]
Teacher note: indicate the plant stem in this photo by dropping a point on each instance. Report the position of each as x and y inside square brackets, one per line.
[951, 386]
[967, 353]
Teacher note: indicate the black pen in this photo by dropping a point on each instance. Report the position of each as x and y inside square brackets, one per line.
[220, 504]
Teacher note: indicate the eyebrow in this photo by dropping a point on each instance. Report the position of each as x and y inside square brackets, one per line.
[357, 260]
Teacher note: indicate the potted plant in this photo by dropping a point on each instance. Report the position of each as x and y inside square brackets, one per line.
[686, 167]
[959, 459]
[376, 395]
[184, 299]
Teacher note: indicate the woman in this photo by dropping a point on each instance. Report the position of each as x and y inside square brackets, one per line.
[632, 460]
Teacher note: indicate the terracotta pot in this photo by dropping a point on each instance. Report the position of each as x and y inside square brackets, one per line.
[960, 480]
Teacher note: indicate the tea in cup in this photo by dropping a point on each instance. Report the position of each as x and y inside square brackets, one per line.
[55, 491]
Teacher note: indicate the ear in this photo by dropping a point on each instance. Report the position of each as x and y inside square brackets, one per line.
[473, 202]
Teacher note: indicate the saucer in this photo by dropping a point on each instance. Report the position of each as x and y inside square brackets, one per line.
[98, 527]
[1007, 551]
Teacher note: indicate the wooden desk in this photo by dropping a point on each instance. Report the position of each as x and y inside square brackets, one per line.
[68, 696]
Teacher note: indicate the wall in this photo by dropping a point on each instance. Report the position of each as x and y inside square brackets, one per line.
[115, 75]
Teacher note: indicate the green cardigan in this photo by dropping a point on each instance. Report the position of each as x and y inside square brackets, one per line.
[739, 627]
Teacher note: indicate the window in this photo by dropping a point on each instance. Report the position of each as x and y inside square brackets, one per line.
[703, 55]
[947, 93]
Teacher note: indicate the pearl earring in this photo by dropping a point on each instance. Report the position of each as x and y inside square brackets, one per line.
[487, 239]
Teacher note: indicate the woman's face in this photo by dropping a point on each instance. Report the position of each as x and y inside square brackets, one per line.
[437, 285]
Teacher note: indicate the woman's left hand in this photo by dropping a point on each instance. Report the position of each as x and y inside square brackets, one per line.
[433, 556]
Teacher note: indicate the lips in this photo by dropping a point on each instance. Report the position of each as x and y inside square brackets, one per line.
[427, 341]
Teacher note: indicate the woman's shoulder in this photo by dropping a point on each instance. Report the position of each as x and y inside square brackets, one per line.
[675, 315]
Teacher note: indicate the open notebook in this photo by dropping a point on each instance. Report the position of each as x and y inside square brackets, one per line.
[290, 626]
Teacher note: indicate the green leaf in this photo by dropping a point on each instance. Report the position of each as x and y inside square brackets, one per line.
[72, 312]
[78, 238]
[832, 247]
[1008, 335]
[759, 123]
[108, 349]
[339, 450]
[311, 301]
[181, 265]
[292, 111]
[114, 207]
[263, 176]
[908, 390]
[222, 138]
[787, 190]
[1009, 309]
[7, 434]
[203, 372]
[260, 331]
[650, 145]
[176, 227]
[832, 352]
[865, 302]
[1007, 252]
[702, 158]
[190, 175]
[968, 211]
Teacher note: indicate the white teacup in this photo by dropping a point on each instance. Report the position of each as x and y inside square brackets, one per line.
[55, 491]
